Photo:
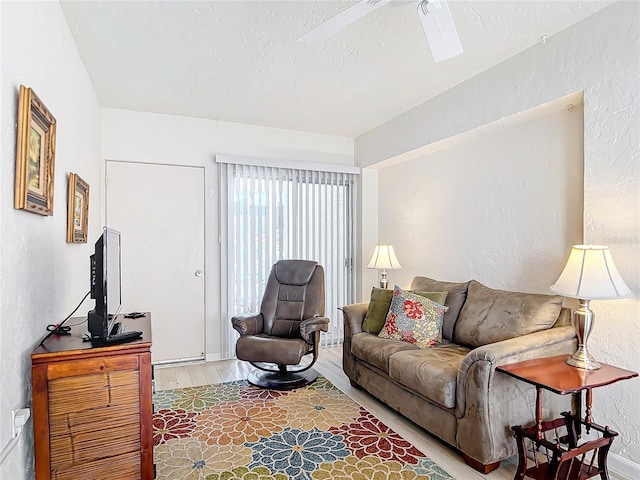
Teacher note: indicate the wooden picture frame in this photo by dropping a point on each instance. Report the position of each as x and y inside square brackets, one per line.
[77, 210]
[35, 155]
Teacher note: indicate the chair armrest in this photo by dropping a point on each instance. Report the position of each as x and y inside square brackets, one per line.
[488, 403]
[248, 324]
[353, 317]
[313, 324]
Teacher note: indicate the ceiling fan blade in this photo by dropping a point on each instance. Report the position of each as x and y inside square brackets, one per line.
[341, 20]
[440, 30]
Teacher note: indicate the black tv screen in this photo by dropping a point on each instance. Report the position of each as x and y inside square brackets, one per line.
[105, 283]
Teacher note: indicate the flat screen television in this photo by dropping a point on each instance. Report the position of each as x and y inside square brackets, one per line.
[105, 283]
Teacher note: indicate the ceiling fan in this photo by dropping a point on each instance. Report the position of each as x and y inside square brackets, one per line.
[435, 18]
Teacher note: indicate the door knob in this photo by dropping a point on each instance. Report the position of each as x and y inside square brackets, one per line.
[198, 273]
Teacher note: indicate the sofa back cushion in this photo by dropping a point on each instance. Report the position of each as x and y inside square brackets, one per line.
[490, 315]
[456, 295]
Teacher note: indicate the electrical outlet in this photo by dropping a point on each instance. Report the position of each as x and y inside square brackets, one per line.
[19, 418]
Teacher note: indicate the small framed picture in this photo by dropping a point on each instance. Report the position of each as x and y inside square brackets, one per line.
[35, 155]
[77, 210]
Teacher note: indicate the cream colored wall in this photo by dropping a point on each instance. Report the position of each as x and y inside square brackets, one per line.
[169, 139]
[368, 233]
[42, 278]
[502, 208]
[599, 56]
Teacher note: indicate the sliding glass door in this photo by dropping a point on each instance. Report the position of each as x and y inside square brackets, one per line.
[285, 213]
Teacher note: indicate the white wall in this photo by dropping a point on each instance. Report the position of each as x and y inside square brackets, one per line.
[42, 278]
[167, 139]
[601, 57]
[367, 232]
[501, 208]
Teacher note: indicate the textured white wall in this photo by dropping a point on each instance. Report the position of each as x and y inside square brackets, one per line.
[42, 278]
[168, 139]
[601, 57]
[502, 208]
[368, 233]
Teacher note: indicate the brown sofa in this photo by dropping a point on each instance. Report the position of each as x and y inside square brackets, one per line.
[453, 390]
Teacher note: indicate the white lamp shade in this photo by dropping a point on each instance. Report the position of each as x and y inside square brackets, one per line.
[590, 274]
[384, 257]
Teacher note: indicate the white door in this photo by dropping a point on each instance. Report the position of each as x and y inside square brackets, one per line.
[159, 209]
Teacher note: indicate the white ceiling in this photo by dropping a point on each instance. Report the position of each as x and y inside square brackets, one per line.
[239, 60]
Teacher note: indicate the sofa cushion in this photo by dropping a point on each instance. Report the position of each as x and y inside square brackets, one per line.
[490, 316]
[381, 301]
[430, 372]
[376, 351]
[413, 319]
[457, 293]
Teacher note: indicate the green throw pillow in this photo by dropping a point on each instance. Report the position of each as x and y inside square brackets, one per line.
[380, 303]
[377, 311]
[438, 297]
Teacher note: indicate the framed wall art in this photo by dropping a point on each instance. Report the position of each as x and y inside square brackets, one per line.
[77, 210]
[35, 155]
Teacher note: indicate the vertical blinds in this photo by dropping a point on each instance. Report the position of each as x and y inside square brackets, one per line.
[274, 213]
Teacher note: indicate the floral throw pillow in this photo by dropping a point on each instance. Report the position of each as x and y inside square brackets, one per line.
[413, 319]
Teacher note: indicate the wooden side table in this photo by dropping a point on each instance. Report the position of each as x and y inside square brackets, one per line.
[566, 457]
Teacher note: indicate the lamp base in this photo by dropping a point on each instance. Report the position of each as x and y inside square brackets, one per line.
[583, 360]
[384, 283]
[583, 320]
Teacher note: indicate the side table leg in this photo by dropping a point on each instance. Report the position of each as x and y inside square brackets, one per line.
[587, 418]
[577, 409]
[538, 413]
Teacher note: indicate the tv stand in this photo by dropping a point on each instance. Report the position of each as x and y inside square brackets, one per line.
[117, 326]
[92, 406]
[98, 326]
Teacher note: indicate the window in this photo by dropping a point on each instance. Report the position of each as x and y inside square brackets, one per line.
[272, 213]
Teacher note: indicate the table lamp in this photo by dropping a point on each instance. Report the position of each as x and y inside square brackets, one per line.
[589, 274]
[384, 257]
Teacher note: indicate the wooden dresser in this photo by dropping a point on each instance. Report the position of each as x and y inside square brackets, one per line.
[92, 407]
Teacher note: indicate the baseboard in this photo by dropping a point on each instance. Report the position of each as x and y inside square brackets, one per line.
[623, 467]
[213, 357]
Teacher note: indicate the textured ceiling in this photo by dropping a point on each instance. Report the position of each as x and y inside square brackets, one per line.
[239, 60]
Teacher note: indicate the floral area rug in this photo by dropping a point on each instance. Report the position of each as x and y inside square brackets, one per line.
[234, 431]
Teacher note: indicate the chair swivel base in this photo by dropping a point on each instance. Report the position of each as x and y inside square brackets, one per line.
[281, 381]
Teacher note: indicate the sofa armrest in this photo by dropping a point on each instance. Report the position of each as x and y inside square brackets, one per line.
[248, 324]
[353, 317]
[546, 343]
[488, 403]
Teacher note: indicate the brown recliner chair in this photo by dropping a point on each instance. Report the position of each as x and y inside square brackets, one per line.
[287, 328]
